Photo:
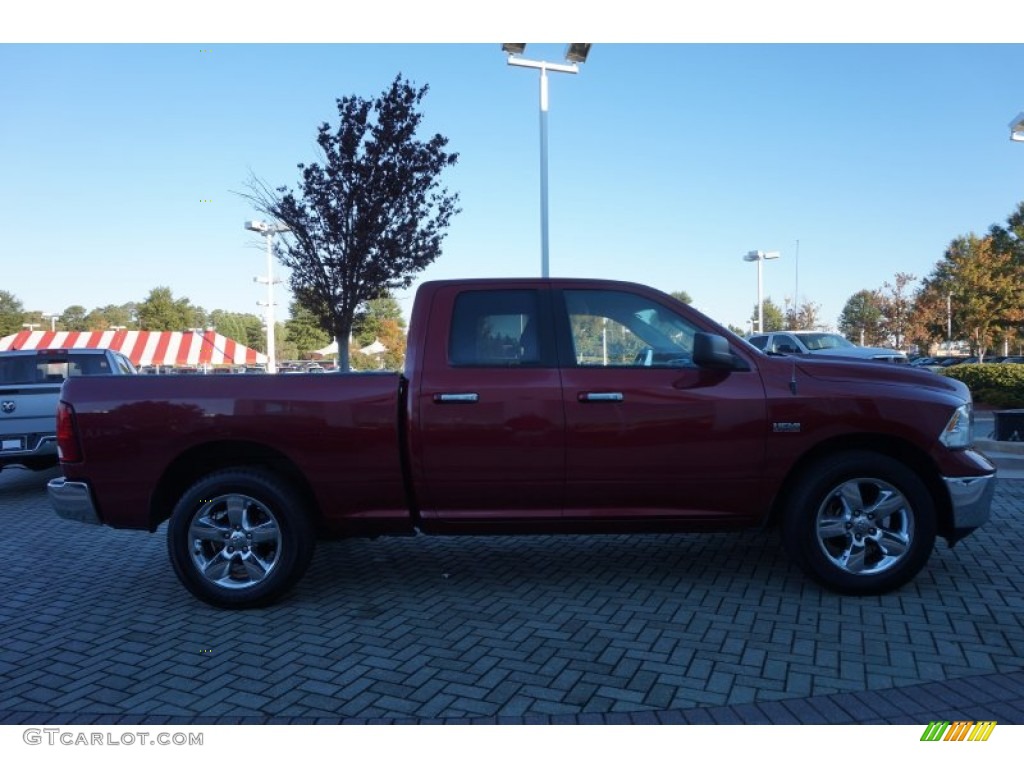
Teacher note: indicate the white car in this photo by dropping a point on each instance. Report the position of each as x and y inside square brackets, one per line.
[820, 343]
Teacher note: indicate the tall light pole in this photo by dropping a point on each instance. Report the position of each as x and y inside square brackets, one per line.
[575, 55]
[759, 257]
[268, 231]
[949, 323]
[1016, 134]
[796, 290]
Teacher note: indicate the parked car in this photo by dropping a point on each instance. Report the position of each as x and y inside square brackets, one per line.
[821, 343]
[532, 406]
[939, 362]
[30, 382]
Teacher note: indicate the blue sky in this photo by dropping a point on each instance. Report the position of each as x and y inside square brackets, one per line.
[668, 161]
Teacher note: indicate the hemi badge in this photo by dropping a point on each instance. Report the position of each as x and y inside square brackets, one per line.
[786, 426]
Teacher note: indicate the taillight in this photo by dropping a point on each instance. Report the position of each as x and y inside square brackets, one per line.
[68, 447]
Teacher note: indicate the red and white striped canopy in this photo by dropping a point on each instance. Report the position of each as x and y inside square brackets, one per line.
[171, 348]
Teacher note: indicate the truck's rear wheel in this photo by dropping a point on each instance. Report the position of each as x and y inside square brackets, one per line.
[860, 523]
[239, 538]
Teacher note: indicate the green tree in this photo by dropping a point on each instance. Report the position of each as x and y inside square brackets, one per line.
[36, 317]
[74, 318]
[256, 332]
[976, 292]
[391, 336]
[774, 318]
[372, 314]
[1008, 242]
[195, 316]
[368, 218]
[986, 284]
[380, 320]
[162, 312]
[112, 316]
[861, 319]
[284, 348]
[11, 313]
[683, 296]
[1010, 239]
[803, 317]
[229, 324]
[896, 302]
[244, 327]
[928, 316]
[303, 331]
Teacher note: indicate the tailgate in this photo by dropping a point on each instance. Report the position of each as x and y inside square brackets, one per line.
[26, 413]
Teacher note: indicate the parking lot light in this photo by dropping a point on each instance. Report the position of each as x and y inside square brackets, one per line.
[575, 55]
[759, 257]
[268, 231]
[1017, 128]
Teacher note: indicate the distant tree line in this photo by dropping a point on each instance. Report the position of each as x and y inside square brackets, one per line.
[974, 294]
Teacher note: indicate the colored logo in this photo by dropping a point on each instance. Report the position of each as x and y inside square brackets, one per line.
[961, 730]
[7, 406]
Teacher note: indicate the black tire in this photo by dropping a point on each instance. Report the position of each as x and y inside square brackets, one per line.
[240, 538]
[860, 523]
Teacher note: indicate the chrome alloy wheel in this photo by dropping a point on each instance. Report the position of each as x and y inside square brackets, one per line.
[235, 541]
[865, 526]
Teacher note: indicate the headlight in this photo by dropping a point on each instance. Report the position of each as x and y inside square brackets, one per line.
[958, 432]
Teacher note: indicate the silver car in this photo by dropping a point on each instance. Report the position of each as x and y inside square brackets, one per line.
[821, 343]
[30, 384]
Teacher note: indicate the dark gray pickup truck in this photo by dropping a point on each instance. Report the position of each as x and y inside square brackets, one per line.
[30, 382]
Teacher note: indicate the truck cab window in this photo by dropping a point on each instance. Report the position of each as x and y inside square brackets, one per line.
[495, 328]
[615, 328]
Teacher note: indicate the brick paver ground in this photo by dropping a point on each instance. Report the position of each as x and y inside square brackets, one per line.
[720, 628]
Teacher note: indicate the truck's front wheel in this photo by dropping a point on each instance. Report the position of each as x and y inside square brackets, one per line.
[239, 538]
[860, 523]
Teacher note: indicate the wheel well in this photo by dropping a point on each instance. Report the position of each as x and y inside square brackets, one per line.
[201, 460]
[886, 445]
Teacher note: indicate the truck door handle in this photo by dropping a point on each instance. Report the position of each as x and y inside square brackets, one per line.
[600, 397]
[456, 397]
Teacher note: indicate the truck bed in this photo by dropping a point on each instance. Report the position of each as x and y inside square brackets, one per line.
[339, 432]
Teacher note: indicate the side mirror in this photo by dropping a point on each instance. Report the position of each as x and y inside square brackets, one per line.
[712, 351]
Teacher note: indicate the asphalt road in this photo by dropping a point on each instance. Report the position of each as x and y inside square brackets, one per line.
[94, 628]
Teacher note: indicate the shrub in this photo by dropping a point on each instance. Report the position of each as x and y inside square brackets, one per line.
[995, 384]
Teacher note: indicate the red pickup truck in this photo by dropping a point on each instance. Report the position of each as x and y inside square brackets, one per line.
[532, 406]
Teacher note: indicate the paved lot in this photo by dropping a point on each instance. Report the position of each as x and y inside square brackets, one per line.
[94, 628]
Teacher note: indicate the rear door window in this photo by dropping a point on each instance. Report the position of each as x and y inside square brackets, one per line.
[496, 329]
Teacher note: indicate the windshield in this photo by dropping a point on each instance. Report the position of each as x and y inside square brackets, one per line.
[824, 341]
